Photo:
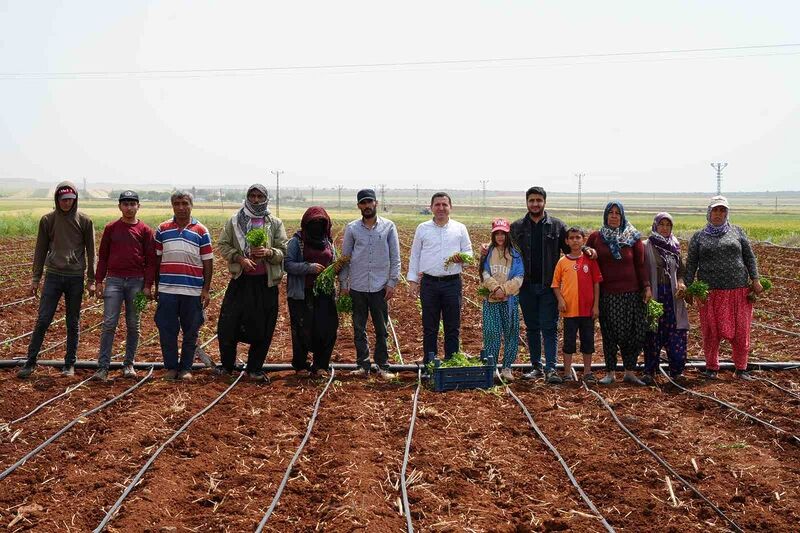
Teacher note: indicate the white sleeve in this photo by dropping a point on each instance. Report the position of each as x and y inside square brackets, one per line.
[413, 262]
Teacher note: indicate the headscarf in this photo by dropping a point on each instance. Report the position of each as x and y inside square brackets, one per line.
[667, 247]
[246, 214]
[315, 227]
[711, 229]
[616, 238]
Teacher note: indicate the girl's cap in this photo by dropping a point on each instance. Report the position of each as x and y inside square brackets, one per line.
[500, 224]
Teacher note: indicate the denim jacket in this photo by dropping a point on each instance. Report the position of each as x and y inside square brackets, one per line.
[554, 233]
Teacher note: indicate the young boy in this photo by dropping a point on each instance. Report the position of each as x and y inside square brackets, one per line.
[576, 284]
[126, 266]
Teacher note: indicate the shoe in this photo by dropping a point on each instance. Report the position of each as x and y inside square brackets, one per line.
[360, 372]
[384, 373]
[648, 379]
[677, 377]
[171, 375]
[184, 375]
[507, 375]
[608, 379]
[633, 380]
[68, 371]
[221, 371]
[316, 373]
[536, 373]
[100, 375]
[26, 371]
[568, 377]
[709, 374]
[128, 372]
[553, 378]
[590, 378]
[744, 375]
[258, 377]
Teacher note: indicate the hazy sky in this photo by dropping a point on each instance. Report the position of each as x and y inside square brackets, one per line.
[648, 122]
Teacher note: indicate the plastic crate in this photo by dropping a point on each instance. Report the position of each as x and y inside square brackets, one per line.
[463, 377]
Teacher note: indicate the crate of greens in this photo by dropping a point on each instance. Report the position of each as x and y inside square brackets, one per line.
[461, 372]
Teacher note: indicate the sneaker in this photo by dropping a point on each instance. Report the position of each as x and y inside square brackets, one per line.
[68, 371]
[553, 378]
[128, 372]
[633, 380]
[536, 373]
[26, 371]
[360, 372]
[590, 378]
[709, 374]
[100, 375]
[648, 379]
[507, 375]
[171, 375]
[386, 374]
[259, 377]
[184, 375]
[744, 375]
[608, 379]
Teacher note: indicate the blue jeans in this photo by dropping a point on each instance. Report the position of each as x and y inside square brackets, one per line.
[540, 312]
[177, 312]
[116, 291]
[441, 300]
[54, 286]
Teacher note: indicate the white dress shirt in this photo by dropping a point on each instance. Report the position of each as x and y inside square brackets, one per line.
[433, 244]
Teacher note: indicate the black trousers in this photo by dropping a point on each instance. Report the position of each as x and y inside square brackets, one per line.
[249, 314]
[370, 303]
[315, 324]
[441, 301]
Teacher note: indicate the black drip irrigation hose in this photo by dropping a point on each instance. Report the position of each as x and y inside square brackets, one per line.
[66, 428]
[135, 481]
[403, 485]
[733, 407]
[48, 402]
[784, 389]
[662, 461]
[285, 479]
[561, 460]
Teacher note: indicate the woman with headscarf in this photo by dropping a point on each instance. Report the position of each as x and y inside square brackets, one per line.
[720, 255]
[250, 307]
[666, 270]
[314, 318]
[624, 291]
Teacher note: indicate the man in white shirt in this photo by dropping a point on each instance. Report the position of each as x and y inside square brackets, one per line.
[436, 280]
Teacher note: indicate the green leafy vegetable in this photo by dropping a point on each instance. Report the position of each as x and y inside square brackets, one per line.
[698, 289]
[458, 359]
[325, 281]
[344, 304]
[655, 310]
[466, 258]
[256, 237]
[483, 292]
[766, 283]
[140, 301]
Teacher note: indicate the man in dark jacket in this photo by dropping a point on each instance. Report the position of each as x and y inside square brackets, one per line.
[65, 248]
[542, 239]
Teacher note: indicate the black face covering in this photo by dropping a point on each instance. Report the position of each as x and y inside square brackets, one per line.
[315, 234]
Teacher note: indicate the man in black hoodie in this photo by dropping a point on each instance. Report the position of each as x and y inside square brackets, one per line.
[65, 249]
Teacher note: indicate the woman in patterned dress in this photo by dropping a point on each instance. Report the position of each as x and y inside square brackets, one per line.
[720, 255]
[624, 291]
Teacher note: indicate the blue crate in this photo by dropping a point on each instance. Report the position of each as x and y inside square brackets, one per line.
[465, 377]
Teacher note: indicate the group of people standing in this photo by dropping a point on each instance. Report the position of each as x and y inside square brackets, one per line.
[536, 264]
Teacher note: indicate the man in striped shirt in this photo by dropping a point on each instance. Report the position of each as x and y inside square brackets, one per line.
[184, 261]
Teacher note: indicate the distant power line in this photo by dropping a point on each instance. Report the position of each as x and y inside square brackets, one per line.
[206, 72]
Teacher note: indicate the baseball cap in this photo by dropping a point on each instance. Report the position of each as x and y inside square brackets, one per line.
[717, 201]
[365, 194]
[66, 193]
[128, 195]
[500, 224]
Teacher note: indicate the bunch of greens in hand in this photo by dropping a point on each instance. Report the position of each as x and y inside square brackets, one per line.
[325, 280]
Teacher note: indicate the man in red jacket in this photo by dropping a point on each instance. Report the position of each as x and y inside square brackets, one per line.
[126, 266]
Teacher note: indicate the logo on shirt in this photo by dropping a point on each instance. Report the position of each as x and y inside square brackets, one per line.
[585, 269]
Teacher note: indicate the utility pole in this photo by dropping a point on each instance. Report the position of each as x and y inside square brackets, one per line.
[221, 200]
[719, 167]
[312, 195]
[416, 188]
[483, 186]
[340, 195]
[277, 191]
[580, 176]
[382, 187]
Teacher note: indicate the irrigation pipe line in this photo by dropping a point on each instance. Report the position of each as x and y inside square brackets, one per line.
[403, 485]
[394, 334]
[77, 419]
[730, 406]
[286, 475]
[63, 318]
[553, 449]
[48, 402]
[9, 304]
[135, 481]
[661, 460]
[787, 391]
[777, 330]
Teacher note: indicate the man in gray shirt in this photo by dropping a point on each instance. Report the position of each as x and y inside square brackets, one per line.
[370, 278]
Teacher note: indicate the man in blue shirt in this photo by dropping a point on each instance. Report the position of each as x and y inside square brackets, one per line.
[370, 278]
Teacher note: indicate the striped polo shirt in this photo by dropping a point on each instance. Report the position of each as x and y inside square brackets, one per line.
[182, 254]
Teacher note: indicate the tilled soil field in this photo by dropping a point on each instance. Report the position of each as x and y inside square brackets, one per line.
[475, 463]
